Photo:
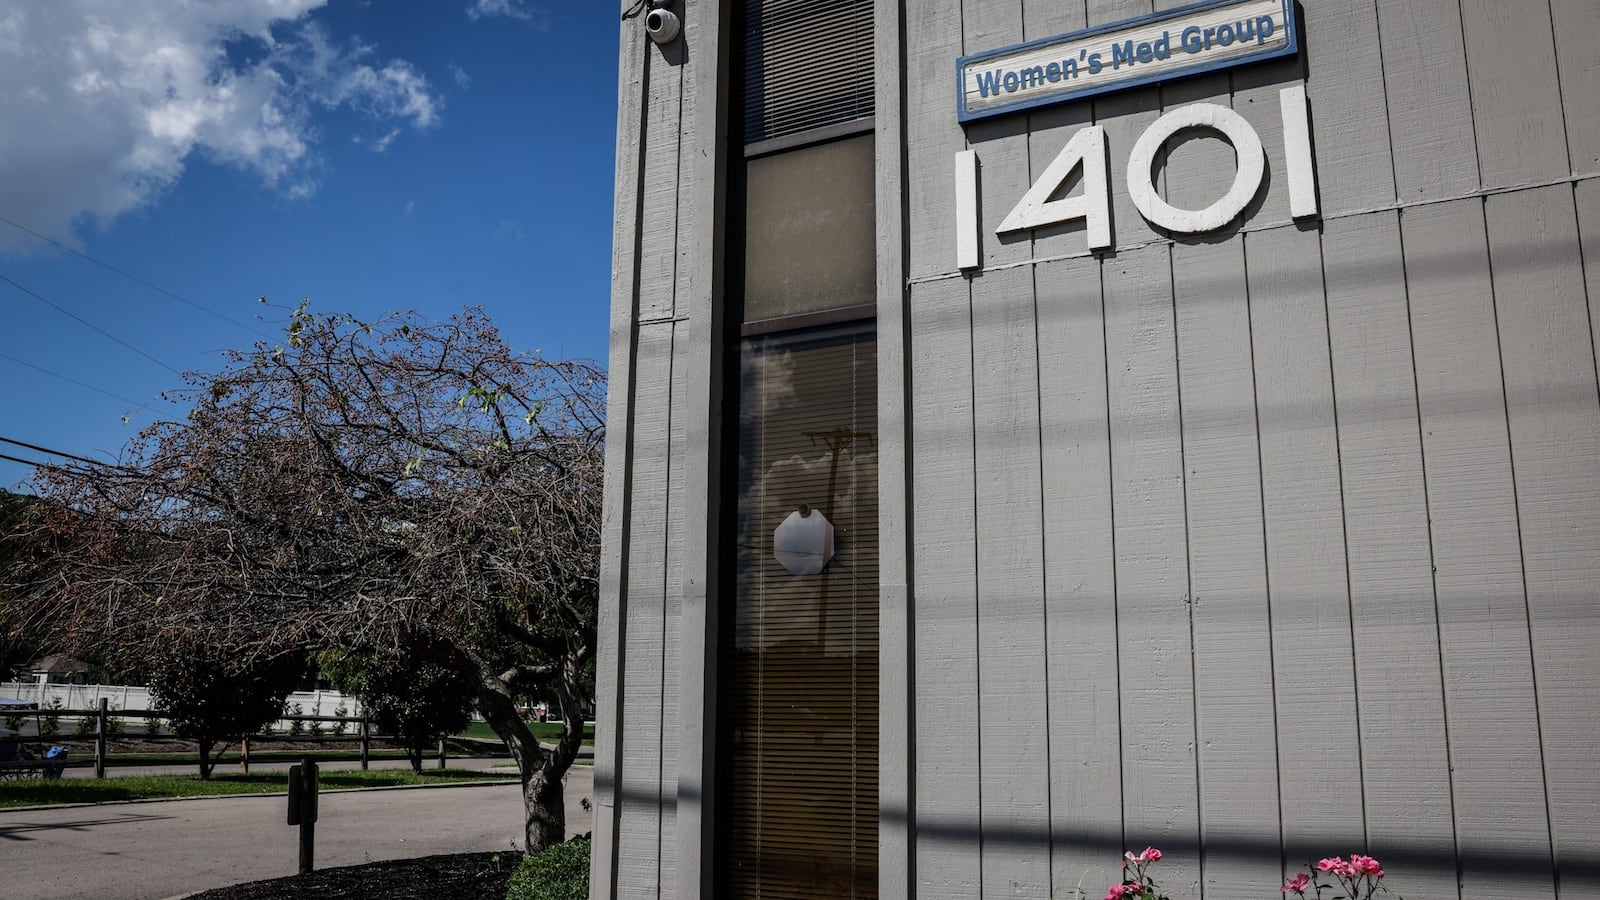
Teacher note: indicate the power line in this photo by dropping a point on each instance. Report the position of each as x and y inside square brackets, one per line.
[18, 459]
[8, 357]
[134, 278]
[46, 450]
[33, 463]
[88, 324]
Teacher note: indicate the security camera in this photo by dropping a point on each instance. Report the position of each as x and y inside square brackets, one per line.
[662, 26]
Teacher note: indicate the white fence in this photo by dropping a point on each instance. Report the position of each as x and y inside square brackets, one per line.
[119, 696]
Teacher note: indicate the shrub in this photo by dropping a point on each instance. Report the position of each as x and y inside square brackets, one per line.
[15, 722]
[341, 710]
[50, 719]
[560, 872]
[86, 725]
[296, 727]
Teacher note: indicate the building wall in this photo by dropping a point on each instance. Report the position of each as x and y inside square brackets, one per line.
[1280, 542]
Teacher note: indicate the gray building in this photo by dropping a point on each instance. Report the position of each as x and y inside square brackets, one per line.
[1192, 412]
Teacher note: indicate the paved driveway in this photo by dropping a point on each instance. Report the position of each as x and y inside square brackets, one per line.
[142, 851]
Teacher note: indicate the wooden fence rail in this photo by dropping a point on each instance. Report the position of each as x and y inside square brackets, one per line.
[103, 735]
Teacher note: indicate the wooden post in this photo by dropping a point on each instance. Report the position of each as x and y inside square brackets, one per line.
[441, 753]
[244, 755]
[366, 740]
[303, 809]
[100, 740]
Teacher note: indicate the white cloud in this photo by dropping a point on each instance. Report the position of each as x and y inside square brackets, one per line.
[381, 143]
[463, 80]
[481, 8]
[508, 232]
[106, 102]
[524, 10]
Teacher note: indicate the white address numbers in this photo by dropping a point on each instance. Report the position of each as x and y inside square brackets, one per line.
[1087, 151]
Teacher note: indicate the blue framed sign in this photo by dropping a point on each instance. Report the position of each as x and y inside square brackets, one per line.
[1201, 37]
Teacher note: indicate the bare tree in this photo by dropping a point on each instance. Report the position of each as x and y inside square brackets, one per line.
[361, 486]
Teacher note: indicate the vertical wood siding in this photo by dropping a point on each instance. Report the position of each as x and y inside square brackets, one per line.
[1237, 742]
[1081, 635]
[1307, 569]
[1405, 768]
[1291, 592]
[1153, 604]
[642, 782]
[949, 752]
[1549, 369]
[1485, 661]
[645, 535]
[1278, 542]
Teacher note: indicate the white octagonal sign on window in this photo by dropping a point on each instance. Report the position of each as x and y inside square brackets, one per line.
[803, 544]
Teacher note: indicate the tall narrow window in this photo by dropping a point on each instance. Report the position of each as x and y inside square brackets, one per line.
[798, 669]
[801, 679]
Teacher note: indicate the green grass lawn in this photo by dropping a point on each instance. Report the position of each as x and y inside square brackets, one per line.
[548, 732]
[231, 758]
[37, 792]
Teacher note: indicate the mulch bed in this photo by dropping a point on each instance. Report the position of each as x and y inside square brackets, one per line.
[463, 876]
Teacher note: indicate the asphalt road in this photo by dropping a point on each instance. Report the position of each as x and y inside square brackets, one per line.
[144, 851]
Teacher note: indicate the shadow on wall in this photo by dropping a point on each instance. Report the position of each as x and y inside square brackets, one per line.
[1579, 871]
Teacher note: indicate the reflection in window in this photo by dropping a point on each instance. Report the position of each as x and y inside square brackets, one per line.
[801, 682]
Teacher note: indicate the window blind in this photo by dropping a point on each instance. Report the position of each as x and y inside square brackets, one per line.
[802, 677]
[808, 63]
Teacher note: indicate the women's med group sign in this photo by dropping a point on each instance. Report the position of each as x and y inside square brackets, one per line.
[1202, 37]
[1046, 72]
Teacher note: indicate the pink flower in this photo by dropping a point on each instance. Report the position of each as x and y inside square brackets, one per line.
[1366, 865]
[1337, 866]
[1116, 891]
[1149, 855]
[1296, 884]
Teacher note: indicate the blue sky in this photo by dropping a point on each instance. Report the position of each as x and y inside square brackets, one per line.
[369, 154]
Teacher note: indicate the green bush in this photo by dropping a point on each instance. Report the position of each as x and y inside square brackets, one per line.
[50, 719]
[555, 873]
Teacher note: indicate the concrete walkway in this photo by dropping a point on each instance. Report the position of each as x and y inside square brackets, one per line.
[149, 850]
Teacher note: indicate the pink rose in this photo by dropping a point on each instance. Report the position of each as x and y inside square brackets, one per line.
[1149, 855]
[1332, 864]
[1366, 865]
[1116, 891]
[1297, 884]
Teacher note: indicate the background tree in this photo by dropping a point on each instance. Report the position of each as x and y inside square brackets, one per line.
[212, 699]
[16, 648]
[418, 696]
[358, 484]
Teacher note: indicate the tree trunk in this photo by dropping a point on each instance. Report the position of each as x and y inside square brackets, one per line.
[414, 754]
[206, 765]
[543, 796]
